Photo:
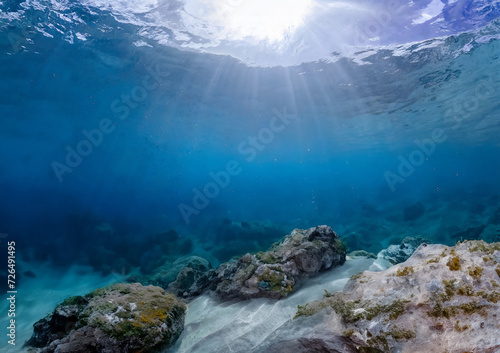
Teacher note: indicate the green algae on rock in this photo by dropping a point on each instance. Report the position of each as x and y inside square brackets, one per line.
[121, 318]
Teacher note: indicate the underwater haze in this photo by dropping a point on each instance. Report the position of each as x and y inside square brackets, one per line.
[134, 130]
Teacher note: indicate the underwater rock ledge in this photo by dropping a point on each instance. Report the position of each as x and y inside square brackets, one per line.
[118, 319]
[441, 299]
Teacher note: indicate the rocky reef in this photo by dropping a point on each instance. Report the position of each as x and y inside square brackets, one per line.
[277, 272]
[439, 299]
[122, 318]
[442, 299]
[271, 274]
[133, 317]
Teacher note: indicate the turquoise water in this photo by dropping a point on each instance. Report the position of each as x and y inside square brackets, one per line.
[119, 147]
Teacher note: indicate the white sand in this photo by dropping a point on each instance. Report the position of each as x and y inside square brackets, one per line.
[217, 327]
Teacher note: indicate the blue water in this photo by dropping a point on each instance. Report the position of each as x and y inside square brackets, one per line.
[113, 154]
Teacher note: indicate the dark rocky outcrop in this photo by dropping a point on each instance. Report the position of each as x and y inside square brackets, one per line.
[192, 279]
[186, 277]
[272, 274]
[396, 254]
[119, 319]
[275, 273]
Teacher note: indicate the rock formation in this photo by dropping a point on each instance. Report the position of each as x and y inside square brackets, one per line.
[276, 273]
[186, 277]
[442, 299]
[122, 318]
[396, 254]
[271, 274]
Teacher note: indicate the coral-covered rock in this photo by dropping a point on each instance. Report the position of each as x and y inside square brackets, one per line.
[440, 299]
[275, 273]
[121, 318]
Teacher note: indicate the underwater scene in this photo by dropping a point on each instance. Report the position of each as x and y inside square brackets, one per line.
[250, 176]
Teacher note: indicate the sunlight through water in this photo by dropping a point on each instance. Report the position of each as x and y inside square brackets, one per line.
[259, 20]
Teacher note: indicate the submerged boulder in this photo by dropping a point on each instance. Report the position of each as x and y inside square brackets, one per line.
[271, 274]
[441, 299]
[186, 277]
[396, 254]
[276, 272]
[192, 279]
[118, 319]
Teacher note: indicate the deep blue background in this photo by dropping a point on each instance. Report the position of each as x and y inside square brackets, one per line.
[327, 166]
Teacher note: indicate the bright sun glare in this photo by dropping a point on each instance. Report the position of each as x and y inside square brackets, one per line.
[270, 20]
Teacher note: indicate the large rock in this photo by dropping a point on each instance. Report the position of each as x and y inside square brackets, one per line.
[276, 273]
[122, 318]
[396, 254]
[272, 274]
[192, 279]
[441, 299]
[186, 277]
